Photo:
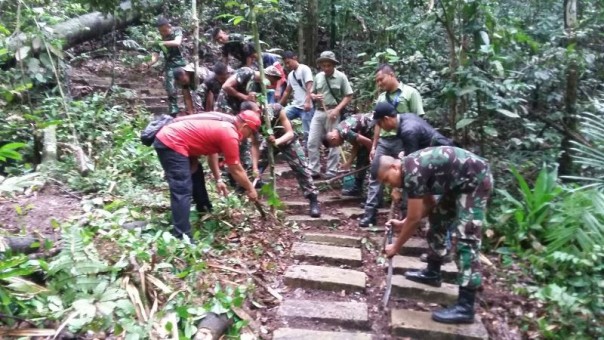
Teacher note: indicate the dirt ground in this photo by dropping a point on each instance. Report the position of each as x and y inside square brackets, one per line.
[37, 212]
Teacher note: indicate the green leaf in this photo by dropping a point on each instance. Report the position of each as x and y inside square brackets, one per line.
[237, 20]
[467, 90]
[22, 53]
[508, 113]
[391, 51]
[464, 122]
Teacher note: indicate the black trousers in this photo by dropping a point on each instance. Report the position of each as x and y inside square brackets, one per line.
[184, 185]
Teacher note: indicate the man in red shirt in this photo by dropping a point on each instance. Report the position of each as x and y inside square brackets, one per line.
[192, 136]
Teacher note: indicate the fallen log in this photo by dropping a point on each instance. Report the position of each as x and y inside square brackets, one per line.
[212, 327]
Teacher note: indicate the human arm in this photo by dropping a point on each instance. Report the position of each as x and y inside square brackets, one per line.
[255, 151]
[209, 104]
[174, 43]
[287, 127]
[285, 96]
[416, 104]
[229, 88]
[213, 163]
[308, 100]
[238, 173]
[354, 152]
[417, 208]
[186, 95]
[364, 141]
[374, 143]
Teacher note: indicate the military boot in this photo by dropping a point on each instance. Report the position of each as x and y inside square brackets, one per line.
[356, 190]
[461, 312]
[446, 259]
[430, 276]
[315, 211]
[368, 219]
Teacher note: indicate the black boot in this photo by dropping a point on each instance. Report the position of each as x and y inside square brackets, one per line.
[448, 258]
[354, 191]
[368, 219]
[429, 276]
[461, 312]
[315, 211]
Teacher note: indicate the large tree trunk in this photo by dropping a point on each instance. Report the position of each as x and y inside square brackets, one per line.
[300, 10]
[311, 31]
[88, 26]
[570, 99]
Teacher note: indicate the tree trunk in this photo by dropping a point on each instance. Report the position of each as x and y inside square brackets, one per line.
[333, 27]
[311, 31]
[49, 142]
[88, 26]
[300, 10]
[572, 82]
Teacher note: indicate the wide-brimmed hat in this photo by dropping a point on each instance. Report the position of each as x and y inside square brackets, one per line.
[327, 56]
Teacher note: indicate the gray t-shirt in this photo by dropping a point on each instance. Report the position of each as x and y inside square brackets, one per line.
[303, 76]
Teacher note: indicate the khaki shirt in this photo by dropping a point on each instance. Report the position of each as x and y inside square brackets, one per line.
[338, 82]
[409, 101]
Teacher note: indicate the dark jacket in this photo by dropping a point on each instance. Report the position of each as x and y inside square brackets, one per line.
[417, 134]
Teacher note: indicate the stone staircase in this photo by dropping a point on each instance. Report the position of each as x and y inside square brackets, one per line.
[329, 280]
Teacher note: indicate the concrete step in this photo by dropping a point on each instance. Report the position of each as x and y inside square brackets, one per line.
[334, 239]
[402, 264]
[419, 325]
[403, 288]
[297, 207]
[347, 314]
[415, 246]
[325, 221]
[337, 201]
[327, 254]
[305, 334]
[325, 278]
[358, 212]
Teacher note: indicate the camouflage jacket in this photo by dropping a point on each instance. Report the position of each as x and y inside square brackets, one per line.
[442, 169]
[357, 124]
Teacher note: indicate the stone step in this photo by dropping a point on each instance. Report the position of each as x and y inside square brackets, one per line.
[419, 325]
[305, 334]
[401, 264]
[331, 201]
[347, 314]
[328, 254]
[325, 278]
[334, 239]
[403, 288]
[415, 246]
[297, 207]
[323, 221]
[358, 212]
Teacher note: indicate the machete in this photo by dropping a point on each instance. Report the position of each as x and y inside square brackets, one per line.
[387, 241]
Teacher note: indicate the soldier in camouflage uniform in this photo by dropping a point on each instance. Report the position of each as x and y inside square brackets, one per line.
[465, 182]
[284, 141]
[358, 131]
[170, 47]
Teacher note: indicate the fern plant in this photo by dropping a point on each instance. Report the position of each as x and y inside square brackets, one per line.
[87, 285]
[591, 157]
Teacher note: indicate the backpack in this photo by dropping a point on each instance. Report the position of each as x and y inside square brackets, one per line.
[149, 133]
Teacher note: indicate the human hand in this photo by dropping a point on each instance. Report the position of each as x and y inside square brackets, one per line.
[252, 195]
[316, 96]
[307, 106]
[371, 154]
[251, 96]
[222, 188]
[391, 250]
[333, 114]
[396, 225]
[272, 140]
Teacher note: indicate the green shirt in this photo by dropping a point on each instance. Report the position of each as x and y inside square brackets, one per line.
[173, 55]
[407, 100]
[338, 82]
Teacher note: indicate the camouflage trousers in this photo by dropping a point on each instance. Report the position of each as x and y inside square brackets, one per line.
[463, 215]
[171, 89]
[294, 156]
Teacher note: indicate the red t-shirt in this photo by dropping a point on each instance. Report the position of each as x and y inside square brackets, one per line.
[198, 137]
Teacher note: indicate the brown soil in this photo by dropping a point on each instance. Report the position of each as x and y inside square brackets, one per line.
[36, 212]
